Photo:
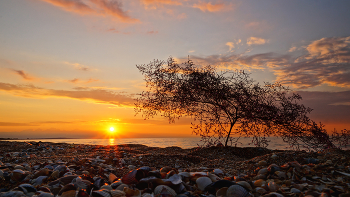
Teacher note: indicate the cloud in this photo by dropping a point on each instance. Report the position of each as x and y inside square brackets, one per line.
[204, 7]
[76, 80]
[231, 45]
[94, 7]
[239, 61]
[79, 66]
[255, 41]
[160, 2]
[23, 75]
[292, 49]
[324, 62]
[11, 124]
[152, 32]
[327, 61]
[100, 96]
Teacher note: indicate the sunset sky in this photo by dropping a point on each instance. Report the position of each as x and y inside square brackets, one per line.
[68, 67]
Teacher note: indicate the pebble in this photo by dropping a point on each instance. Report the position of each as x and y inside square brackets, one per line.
[93, 170]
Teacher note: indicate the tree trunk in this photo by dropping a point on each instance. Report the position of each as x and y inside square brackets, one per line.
[228, 135]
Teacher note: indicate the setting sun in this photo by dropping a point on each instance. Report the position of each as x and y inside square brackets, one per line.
[111, 129]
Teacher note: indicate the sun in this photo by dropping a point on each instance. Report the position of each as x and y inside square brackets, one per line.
[111, 129]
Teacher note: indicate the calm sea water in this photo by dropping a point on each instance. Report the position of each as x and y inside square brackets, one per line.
[275, 143]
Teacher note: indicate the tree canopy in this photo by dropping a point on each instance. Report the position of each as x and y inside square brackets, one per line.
[226, 103]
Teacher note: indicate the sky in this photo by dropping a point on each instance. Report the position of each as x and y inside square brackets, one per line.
[68, 67]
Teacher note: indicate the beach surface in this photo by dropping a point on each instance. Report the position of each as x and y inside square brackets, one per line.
[254, 171]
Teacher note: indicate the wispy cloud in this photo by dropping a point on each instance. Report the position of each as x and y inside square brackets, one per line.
[94, 7]
[76, 81]
[100, 96]
[161, 2]
[231, 45]
[80, 66]
[23, 74]
[16, 124]
[239, 61]
[256, 41]
[209, 7]
[324, 61]
[327, 62]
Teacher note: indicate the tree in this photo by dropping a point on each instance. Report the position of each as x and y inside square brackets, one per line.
[224, 103]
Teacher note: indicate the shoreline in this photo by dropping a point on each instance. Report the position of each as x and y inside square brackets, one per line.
[233, 161]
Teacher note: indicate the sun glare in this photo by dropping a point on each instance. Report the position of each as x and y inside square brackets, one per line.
[111, 129]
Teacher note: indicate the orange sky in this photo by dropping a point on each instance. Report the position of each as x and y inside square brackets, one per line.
[68, 68]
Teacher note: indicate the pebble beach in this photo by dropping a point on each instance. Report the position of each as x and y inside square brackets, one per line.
[47, 169]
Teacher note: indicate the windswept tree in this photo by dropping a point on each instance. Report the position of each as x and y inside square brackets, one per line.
[225, 103]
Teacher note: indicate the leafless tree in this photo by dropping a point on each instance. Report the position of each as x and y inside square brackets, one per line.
[224, 104]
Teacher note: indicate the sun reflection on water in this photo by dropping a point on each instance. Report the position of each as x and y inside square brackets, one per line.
[111, 141]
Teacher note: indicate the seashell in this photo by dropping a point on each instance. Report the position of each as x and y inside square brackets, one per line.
[273, 168]
[175, 179]
[106, 187]
[166, 169]
[112, 177]
[42, 172]
[213, 177]
[45, 194]
[117, 193]
[69, 193]
[39, 180]
[133, 177]
[262, 163]
[203, 182]
[222, 192]
[55, 174]
[13, 194]
[281, 174]
[274, 156]
[237, 191]
[275, 194]
[295, 191]
[44, 189]
[245, 184]
[61, 168]
[100, 193]
[185, 174]
[260, 176]
[121, 187]
[81, 184]
[98, 182]
[163, 190]
[147, 195]
[260, 190]
[67, 179]
[66, 189]
[85, 172]
[17, 175]
[170, 173]
[273, 186]
[115, 184]
[213, 187]
[28, 168]
[19, 167]
[130, 192]
[259, 183]
[218, 172]
[263, 171]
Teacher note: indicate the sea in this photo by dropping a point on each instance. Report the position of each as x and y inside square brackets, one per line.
[185, 143]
